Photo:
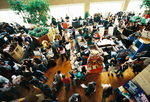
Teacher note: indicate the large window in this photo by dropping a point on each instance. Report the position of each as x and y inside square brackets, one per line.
[9, 16]
[134, 5]
[72, 10]
[106, 7]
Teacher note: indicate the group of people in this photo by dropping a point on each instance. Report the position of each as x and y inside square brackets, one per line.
[31, 71]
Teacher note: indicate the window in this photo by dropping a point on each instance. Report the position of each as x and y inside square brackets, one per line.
[10, 16]
[134, 5]
[106, 7]
[72, 10]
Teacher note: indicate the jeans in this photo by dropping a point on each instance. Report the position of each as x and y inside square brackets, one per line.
[74, 82]
[83, 76]
[68, 52]
[42, 67]
[67, 86]
[43, 77]
[111, 68]
[119, 70]
[14, 91]
[63, 57]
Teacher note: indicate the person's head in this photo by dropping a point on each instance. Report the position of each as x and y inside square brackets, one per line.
[58, 72]
[71, 71]
[78, 55]
[2, 84]
[76, 70]
[125, 100]
[127, 57]
[114, 57]
[63, 76]
[86, 32]
[67, 42]
[31, 78]
[83, 68]
[61, 47]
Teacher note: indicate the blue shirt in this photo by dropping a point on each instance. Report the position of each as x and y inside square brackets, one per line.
[131, 38]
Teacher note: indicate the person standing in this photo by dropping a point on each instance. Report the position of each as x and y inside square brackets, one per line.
[67, 18]
[122, 69]
[66, 82]
[113, 63]
[68, 47]
[63, 53]
[65, 26]
[60, 29]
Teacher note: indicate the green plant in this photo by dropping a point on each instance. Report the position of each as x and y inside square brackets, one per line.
[39, 32]
[33, 11]
[146, 4]
[86, 14]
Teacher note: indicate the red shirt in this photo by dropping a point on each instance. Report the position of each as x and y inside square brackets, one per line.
[65, 25]
[65, 81]
[98, 35]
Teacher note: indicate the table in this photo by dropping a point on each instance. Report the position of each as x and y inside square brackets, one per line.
[105, 42]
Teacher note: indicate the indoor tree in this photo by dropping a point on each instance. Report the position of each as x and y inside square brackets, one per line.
[146, 4]
[33, 11]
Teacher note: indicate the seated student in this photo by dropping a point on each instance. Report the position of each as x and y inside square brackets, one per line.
[79, 59]
[90, 88]
[89, 41]
[40, 64]
[37, 83]
[48, 93]
[122, 69]
[107, 91]
[75, 98]
[86, 35]
[50, 54]
[124, 59]
[85, 29]
[113, 63]
[39, 74]
[5, 85]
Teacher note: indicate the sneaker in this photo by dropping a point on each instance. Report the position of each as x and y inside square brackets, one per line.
[112, 74]
[108, 74]
[122, 75]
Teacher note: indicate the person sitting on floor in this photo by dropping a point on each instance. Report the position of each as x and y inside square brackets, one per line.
[86, 35]
[122, 69]
[90, 88]
[113, 63]
[89, 41]
[75, 98]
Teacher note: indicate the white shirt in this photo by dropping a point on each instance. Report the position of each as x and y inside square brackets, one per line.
[68, 46]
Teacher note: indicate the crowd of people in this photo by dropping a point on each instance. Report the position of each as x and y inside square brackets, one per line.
[31, 71]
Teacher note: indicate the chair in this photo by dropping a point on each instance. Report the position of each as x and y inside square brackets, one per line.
[102, 30]
[110, 31]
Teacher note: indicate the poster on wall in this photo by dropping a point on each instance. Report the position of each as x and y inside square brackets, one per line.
[51, 34]
[132, 88]
[143, 51]
[141, 97]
